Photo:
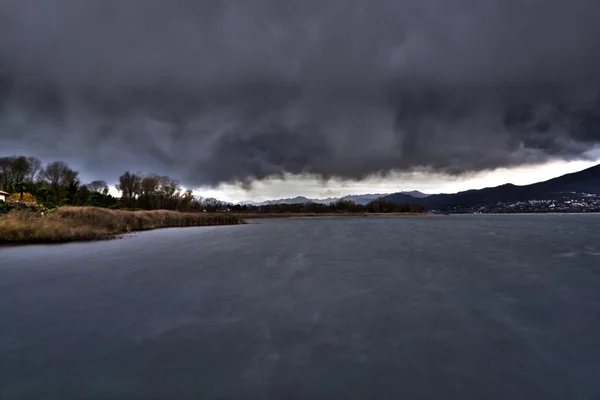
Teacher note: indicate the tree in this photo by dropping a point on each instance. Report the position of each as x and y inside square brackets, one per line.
[59, 176]
[43, 195]
[129, 185]
[343, 205]
[17, 170]
[20, 188]
[6, 173]
[149, 192]
[20, 169]
[210, 204]
[26, 198]
[81, 196]
[169, 193]
[72, 189]
[35, 167]
[97, 186]
[186, 202]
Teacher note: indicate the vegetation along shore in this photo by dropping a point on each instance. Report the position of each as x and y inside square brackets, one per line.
[49, 204]
[68, 224]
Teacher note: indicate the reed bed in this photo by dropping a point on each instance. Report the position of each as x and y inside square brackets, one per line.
[69, 224]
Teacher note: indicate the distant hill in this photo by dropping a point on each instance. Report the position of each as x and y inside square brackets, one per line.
[294, 200]
[586, 181]
[365, 199]
[362, 199]
[358, 199]
[417, 194]
[291, 200]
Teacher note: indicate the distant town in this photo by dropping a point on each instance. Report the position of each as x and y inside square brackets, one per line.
[567, 203]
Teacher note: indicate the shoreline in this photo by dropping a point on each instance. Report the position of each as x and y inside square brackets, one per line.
[83, 224]
[86, 224]
[327, 215]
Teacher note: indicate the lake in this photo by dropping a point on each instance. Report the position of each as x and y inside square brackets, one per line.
[454, 307]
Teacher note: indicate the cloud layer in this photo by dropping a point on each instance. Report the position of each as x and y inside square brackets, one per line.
[240, 90]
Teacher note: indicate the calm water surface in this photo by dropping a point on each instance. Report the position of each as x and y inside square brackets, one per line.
[337, 308]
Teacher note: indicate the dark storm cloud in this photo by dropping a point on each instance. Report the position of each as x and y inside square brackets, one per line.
[215, 91]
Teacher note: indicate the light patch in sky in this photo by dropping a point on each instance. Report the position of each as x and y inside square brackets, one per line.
[311, 187]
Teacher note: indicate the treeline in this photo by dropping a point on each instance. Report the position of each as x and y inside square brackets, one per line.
[341, 206]
[155, 192]
[56, 184]
[51, 185]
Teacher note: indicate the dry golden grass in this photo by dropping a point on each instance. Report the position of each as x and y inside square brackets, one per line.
[90, 223]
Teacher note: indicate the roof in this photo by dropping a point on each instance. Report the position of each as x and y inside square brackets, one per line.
[3, 192]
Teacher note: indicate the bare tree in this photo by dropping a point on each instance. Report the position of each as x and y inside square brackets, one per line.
[59, 175]
[20, 169]
[149, 192]
[169, 192]
[129, 185]
[187, 200]
[6, 173]
[97, 186]
[14, 172]
[210, 204]
[35, 167]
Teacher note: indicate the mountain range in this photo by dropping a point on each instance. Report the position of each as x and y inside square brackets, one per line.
[575, 185]
[569, 187]
[362, 199]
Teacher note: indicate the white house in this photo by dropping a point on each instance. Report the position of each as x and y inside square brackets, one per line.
[3, 195]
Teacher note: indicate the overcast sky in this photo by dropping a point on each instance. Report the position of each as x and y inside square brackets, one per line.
[225, 93]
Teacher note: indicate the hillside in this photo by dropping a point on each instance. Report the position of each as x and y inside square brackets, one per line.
[361, 199]
[572, 185]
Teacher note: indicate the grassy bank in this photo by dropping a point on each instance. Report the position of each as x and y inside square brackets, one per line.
[69, 224]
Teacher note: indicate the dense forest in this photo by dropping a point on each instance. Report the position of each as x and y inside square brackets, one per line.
[56, 184]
